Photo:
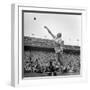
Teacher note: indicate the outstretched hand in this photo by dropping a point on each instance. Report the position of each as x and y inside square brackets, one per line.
[46, 27]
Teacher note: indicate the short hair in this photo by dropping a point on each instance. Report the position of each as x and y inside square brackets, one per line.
[59, 35]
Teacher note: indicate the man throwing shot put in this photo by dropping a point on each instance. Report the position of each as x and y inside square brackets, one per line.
[58, 45]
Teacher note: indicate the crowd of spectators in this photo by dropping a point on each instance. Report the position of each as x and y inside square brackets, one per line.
[46, 62]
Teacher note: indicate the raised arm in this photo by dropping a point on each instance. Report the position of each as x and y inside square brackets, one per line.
[49, 31]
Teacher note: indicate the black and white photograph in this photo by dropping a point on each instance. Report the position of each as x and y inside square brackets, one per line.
[51, 43]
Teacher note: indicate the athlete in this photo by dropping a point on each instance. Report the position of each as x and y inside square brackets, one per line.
[58, 45]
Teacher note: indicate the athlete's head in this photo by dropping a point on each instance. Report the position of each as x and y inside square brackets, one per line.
[59, 35]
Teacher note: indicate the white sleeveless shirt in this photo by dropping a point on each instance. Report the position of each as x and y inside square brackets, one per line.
[58, 45]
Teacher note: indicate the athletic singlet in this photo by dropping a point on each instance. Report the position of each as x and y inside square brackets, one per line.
[58, 45]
